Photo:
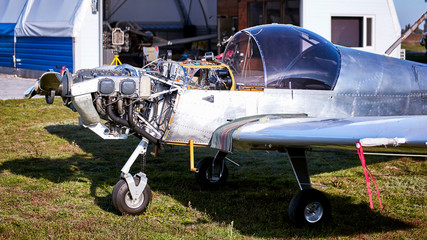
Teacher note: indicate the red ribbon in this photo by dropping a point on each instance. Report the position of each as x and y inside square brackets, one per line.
[366, 171]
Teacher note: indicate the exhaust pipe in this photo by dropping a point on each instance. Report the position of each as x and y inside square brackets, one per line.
[113, 116]
[130, 123]
[139, 130]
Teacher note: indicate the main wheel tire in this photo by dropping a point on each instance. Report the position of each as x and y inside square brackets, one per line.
[122, 199]
[204, 176]
[309, 207]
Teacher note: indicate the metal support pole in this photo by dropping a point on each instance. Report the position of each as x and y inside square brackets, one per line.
[192, 168]
[140, 149]
[299, 165]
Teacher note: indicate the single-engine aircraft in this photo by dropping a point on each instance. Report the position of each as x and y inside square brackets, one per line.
[278, 87]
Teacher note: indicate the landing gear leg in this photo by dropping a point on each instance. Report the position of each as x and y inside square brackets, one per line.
[131, 195]
[212, 171]
[309, 206]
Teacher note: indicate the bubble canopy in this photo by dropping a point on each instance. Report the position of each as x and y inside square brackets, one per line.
[282, 56]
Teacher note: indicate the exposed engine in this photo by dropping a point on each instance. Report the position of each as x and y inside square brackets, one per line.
[130, 100]
[117, 101]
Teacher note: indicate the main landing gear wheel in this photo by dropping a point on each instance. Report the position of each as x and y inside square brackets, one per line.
[122, 198]
[208, 180]
[309, 207]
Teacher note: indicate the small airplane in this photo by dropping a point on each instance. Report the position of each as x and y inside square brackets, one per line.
[277, 87]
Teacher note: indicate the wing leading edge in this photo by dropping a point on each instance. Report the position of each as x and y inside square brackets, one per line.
[305, 131]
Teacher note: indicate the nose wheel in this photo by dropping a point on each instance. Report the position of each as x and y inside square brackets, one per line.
[125, 203]
[131, 195]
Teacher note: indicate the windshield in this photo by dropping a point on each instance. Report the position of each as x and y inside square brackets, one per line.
[282, 56]
[244, 58]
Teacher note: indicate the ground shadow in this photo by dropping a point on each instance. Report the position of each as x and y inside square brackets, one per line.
[420, 57]
[255, 199]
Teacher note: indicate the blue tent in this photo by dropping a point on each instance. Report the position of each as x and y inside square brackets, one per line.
[37, 35]
[45, 32]
[10, 10]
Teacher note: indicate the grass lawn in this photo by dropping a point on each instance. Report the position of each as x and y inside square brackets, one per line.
[56, 180]
[414, 48]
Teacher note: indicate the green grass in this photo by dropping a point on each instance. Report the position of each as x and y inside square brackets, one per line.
[56, 180]
[414, 48]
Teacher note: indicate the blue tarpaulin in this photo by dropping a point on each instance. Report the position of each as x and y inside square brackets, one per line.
[7, 29]
[51, 18]
[10, 10]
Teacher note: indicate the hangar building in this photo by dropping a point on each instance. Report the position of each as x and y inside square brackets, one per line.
[37, 35]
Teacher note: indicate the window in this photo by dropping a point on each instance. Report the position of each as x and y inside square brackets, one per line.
[244, 59]
[279, 11]
[352, 31]
[282, 56]
[272, 12]
[369, 32]
[254, 13]
[307, 61]
[347, 31]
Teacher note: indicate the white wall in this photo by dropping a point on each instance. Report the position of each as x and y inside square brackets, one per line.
[316, 16]
[87, 38]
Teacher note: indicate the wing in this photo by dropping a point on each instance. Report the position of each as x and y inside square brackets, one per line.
[304, 131]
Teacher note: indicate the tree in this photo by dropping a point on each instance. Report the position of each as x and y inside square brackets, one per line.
[418, 30]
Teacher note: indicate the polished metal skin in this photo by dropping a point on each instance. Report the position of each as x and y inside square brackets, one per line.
[367, 85]
[200, 112]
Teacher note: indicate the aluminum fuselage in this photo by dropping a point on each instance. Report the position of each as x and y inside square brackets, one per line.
[368, 85]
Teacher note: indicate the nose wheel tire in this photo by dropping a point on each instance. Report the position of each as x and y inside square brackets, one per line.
[50, 96]
[309, 207]
[208, 180]
[123, 201]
